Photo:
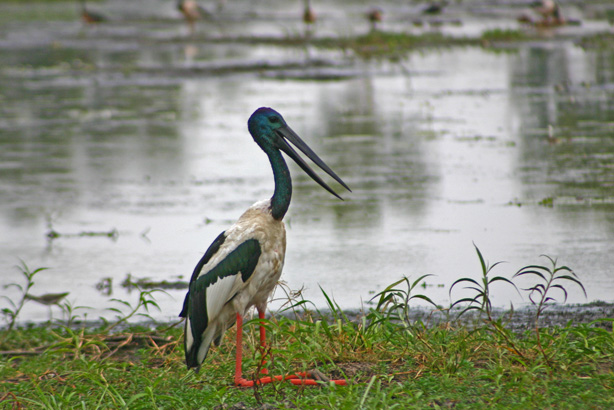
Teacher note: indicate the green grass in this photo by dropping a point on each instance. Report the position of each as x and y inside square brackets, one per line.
[385, 44]
[504, 35]
[381, 43]
[600, 41]
[373, 44]
[387, 366]
[390, 360]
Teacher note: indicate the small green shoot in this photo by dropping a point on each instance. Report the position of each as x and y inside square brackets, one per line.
[549, 279]
[394, 301]
[145, 302]
[11, 313]
[481, 301]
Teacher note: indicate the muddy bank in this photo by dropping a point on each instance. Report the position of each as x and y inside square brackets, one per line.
[597, 314]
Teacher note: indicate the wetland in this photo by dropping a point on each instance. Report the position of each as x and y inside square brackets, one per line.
[124, 150]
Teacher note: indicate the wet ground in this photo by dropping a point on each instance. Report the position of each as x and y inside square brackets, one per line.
[127, 142]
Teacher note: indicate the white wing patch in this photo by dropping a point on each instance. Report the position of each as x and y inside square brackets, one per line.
[221, 292]
[189, 339]
[206, 342]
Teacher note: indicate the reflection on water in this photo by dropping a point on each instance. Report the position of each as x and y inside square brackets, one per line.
[146, 133]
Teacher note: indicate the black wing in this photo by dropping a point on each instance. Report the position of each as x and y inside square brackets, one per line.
[213, 248]
[212, 284]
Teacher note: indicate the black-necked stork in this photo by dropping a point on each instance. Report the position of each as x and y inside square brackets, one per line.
[375, 16]
[309, 17]
[243, 264]
[550, 12]
[192, 12]
[90, 16]
[435, 7]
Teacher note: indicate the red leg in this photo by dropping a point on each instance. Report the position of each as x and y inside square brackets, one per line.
[239, 380]
[262, 329]
[262, 341]
[300, 378]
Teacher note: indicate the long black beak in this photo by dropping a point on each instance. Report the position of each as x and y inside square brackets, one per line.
[286, 133]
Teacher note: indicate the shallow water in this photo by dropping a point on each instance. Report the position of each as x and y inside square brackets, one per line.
[133, 126]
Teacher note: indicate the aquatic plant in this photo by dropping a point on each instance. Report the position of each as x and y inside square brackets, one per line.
[501, 35]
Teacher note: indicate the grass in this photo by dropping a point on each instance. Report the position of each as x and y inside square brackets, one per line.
[390, 360]
[504, 35]
[388, 44]
[600, 41]
[393, 45]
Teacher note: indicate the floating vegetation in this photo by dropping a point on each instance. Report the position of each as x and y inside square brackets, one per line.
[105, 286]
[547, 202]
[381, 43]
[147, 283]
[602, 41]
[48, 299]
[375, 43]
[53, 234]
[504, 35]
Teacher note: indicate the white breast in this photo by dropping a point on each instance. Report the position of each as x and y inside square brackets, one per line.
[271, 234]
[255, 223]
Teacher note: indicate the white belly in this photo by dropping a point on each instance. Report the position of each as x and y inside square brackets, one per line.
[257, 223]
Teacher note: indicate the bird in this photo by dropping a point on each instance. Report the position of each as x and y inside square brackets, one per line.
[435, 7]
[309, 17]
[545, 8]
[242, 266]
[550, 15]
[192, 12]
[550, 12]
[375, 15]
[90, 16]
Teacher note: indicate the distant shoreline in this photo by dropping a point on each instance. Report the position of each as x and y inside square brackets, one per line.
[521, 319]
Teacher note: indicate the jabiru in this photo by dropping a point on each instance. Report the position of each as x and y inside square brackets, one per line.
[243, 264]
[90, 17]
[192, 12]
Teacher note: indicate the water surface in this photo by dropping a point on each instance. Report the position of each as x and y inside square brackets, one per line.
[133, 126]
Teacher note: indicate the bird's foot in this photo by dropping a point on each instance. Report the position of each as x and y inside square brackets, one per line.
[315, 377]
[242, 382]
[311, 378]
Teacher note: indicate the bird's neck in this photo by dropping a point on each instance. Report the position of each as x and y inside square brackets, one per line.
[280, 201]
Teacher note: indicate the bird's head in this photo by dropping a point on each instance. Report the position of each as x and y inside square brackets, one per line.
[263, 125]
[271, 132]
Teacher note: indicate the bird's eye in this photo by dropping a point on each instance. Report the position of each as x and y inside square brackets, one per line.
[274, 119]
